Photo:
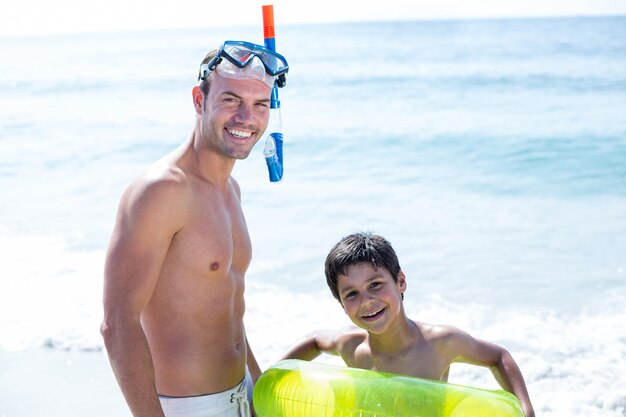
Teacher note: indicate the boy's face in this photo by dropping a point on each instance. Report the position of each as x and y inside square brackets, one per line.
[370, 297]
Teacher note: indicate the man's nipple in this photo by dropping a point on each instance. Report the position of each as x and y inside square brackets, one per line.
[215, 266]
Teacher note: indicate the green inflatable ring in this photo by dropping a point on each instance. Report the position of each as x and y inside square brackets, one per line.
[295, 388]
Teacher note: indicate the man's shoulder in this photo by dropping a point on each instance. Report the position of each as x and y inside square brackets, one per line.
[161, 177]
[161, 185]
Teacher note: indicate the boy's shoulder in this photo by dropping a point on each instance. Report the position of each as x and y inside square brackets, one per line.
[347, 338]
[351, 334]
[447, 340]
[438, 332]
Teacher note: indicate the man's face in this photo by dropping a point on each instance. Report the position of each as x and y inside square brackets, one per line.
[235, 114]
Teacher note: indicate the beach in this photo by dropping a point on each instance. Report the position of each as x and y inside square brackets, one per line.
[52, 382]
[490, 153]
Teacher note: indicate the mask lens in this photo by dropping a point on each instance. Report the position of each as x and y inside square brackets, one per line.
[254, 70]
[244, 53]
[238, 53]
[273, 63]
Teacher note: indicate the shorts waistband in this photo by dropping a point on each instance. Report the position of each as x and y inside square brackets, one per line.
[216, 399]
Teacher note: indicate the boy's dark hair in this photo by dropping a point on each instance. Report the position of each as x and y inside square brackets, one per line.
[358, 248]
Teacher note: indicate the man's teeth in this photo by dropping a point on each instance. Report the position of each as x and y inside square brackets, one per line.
[239, 133]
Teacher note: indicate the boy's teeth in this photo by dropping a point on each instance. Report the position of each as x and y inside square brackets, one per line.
[373, 314]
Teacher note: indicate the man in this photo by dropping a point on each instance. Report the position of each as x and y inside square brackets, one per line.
[174, 274]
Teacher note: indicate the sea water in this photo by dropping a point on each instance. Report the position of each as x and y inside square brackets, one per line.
[492, 154]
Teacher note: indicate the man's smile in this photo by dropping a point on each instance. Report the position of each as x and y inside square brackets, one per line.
[242, 134]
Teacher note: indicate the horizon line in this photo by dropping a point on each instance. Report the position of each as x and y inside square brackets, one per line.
[159, 28]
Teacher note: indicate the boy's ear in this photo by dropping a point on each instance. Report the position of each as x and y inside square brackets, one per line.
[401, 282]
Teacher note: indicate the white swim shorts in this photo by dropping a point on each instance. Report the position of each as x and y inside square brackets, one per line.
[234, 402]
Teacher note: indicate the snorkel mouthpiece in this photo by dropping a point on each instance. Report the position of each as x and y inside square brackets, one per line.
[273, 152]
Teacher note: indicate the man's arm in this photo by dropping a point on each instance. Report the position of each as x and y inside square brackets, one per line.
[252, 364]
[140, 241]
[479, 352]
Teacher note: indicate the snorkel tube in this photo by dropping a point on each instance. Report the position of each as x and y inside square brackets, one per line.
[273, 149]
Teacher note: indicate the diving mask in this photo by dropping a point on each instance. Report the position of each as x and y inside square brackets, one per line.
[245, 60]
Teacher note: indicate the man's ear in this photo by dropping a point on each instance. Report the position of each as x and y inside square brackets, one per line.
[198, 99]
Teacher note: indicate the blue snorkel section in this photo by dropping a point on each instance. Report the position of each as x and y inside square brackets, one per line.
[273, 149]
[269, 42]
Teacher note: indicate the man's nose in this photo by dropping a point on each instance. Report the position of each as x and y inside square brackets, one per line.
[244, 114]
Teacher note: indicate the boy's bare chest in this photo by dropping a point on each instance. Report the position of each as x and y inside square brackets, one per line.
[421, 362]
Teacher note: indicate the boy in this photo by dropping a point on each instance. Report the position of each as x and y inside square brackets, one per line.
[364, 275]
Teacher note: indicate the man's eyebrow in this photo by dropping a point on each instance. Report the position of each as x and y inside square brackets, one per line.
[230, 93]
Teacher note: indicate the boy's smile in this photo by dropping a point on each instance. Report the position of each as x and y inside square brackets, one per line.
[374, 315]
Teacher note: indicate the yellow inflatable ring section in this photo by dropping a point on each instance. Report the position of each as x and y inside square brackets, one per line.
[295, 388]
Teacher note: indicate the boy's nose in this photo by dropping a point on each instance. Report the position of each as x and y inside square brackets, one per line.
[366, 300]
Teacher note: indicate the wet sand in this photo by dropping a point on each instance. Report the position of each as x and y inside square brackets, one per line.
[56, 383]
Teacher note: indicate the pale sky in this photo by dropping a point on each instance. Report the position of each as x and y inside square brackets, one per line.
[29, 17]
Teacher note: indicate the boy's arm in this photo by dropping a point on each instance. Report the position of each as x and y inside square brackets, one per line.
[313, 344]
[509, 376]
[497, 359]
[461, 347]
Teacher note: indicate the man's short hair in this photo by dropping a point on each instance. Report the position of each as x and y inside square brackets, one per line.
[206, 83]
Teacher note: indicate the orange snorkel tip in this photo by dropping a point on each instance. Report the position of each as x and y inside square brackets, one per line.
[268, 21]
